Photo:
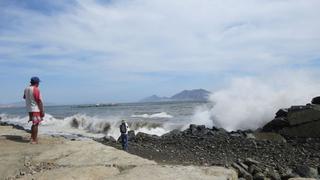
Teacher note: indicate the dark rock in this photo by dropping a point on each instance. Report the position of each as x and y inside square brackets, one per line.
[304, 115]
[271, 136]
[223, 131]
[305, 171]
[250, 161]
[235, 134]
[253, 169]
[215, 128]
[297, 108]
[244, 166]
[288, 174]
[274, 175]
[131, 135]
[275, 125]
[282, 113]
[316, 100]
[198, 130]
[74, 123]
[306, 130]
[201, 127]
[259, 176]
[193, 129]
[241, 171]
[172, 134]
[145, 136]
[211, 133]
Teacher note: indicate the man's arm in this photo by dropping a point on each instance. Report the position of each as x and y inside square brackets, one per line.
[38, 99]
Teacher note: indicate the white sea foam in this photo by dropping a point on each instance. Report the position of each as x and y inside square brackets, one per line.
[88, 126]
[248, 103]
[156, 115]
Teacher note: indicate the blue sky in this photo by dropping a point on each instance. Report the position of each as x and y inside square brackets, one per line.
[88, 51]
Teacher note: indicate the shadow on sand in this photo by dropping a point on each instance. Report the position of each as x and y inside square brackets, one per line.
[19, 139]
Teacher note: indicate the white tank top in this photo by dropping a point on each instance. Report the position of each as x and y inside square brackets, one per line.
[29, 95]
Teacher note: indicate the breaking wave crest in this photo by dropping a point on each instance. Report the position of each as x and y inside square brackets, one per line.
[250, 102]
[88, 126]
[156, 115]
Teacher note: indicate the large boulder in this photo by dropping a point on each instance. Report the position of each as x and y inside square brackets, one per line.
[276, 125]
[297, 121]
[308, 172]
[303, 115]
[172, 134]
[131, 135]
[144, 136]
[316, 100]
[198, 130]
[282, 113]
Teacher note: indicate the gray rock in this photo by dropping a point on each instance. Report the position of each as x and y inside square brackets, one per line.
[131, 135]
[282, 113]
[271, 136]
[305, 171]
[274, 175]
[250, 161]
[316, 100]
[108, 139]
[276, 124]
[242, 172]
[172, 134]
[287, 173]
[259, 176]
[244, 166]
[297, 121]
[193, 129]
[145, 136]
[253, 169]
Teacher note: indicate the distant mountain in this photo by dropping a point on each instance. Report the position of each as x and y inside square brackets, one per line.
[192, 95]
[186, 95]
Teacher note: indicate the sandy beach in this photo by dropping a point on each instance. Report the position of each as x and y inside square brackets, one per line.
[59, 158]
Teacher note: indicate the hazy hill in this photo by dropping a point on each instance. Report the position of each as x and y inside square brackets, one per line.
[185, 95]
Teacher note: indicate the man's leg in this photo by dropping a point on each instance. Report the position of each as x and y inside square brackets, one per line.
[30, 120]
[32, 134]
[36, 133]
[125, 142]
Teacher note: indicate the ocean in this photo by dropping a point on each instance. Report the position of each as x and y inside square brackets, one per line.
[104, 120]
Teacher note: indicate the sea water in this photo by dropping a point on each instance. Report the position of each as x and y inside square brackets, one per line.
[104, 120]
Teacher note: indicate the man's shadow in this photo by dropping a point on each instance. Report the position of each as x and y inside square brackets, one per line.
[15, 138]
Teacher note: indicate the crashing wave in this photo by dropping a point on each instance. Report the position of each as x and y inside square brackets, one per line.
[88, 126]
[156, 115]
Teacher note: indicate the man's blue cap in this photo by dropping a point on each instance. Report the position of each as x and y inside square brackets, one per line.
[35, 80]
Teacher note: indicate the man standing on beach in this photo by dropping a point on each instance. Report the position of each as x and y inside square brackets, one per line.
[34, 106]
[124, 128]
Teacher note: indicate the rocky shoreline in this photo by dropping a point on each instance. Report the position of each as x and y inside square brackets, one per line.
[286, 147]
[254, 155]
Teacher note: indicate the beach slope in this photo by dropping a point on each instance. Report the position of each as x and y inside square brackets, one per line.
[59, 158]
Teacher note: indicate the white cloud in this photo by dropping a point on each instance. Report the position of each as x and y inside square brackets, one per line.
[128, 39]
[190, 35]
